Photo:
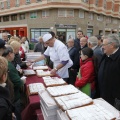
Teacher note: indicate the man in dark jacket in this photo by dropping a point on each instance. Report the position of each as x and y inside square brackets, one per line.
[77, 40]
[74, 55]
[93, 43]
[109, 71]
[77, 44]
[98, 53]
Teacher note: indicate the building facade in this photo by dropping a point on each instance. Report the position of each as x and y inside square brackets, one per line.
[33, 18]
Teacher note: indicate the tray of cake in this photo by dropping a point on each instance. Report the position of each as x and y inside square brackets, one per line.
[53, 81]
[73, 101]
[108, 107]
[90, 112]
[34, 88]
[32, 55]
[40, 67]
[41, 73]
[62, 90]
[29, 72]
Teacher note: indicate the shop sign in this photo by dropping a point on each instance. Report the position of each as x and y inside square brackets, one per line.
[65, 26]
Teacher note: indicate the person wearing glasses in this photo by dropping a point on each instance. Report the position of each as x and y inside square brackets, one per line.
[15, 79]
[59, 55]
[109, 71]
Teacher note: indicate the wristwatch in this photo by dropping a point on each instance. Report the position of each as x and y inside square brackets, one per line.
[56, 69]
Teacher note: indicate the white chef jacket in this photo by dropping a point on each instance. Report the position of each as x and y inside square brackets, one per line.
[59, 53]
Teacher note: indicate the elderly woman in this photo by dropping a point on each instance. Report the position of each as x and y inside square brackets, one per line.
[17, 60]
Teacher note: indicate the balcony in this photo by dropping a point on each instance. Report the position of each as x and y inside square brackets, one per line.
[84, 4]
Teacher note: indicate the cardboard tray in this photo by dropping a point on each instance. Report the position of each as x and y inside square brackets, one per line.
[40, 68]
[29, 72]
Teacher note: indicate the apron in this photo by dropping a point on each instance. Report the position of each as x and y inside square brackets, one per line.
[63, 72]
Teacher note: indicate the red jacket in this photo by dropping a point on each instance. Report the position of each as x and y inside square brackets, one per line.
[87, 74]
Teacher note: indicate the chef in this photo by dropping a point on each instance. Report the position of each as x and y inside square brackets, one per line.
[58, 55]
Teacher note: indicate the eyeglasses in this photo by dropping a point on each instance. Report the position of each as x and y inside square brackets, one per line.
[106, 44]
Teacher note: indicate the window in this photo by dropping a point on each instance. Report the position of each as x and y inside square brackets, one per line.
[33, 15]
[100, 17]
[61, 13]
[108, 19]
[8, 3]
[2, 5]
[70, 13]
[22, 16]
[5, 18]
[17, 2]
[45, 13]
[81, 14]
[13, 17]
[90, 16]
[86, 1]
[65, 13]
[27, 1]
[96, 2]
[35, 33]
[114, 21]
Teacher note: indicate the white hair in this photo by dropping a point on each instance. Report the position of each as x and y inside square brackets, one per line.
[113, 38]
[93, 41]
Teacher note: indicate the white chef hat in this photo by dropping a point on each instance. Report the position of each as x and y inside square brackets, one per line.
[47, 37]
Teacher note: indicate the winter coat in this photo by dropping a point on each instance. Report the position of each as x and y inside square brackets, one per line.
[109, 77]
[6, 108]
[87, 74]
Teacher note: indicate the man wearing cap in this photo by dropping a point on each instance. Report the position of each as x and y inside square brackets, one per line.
[58, 55]
[2, 46]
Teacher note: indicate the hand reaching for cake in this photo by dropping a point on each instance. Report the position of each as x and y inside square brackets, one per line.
[53, 71]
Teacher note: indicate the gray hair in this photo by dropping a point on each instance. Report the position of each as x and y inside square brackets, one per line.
[71, 39]
[113, 38]
[93, 40]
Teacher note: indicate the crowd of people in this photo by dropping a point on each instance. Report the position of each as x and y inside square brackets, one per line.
[90, 64]
[12, 52]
